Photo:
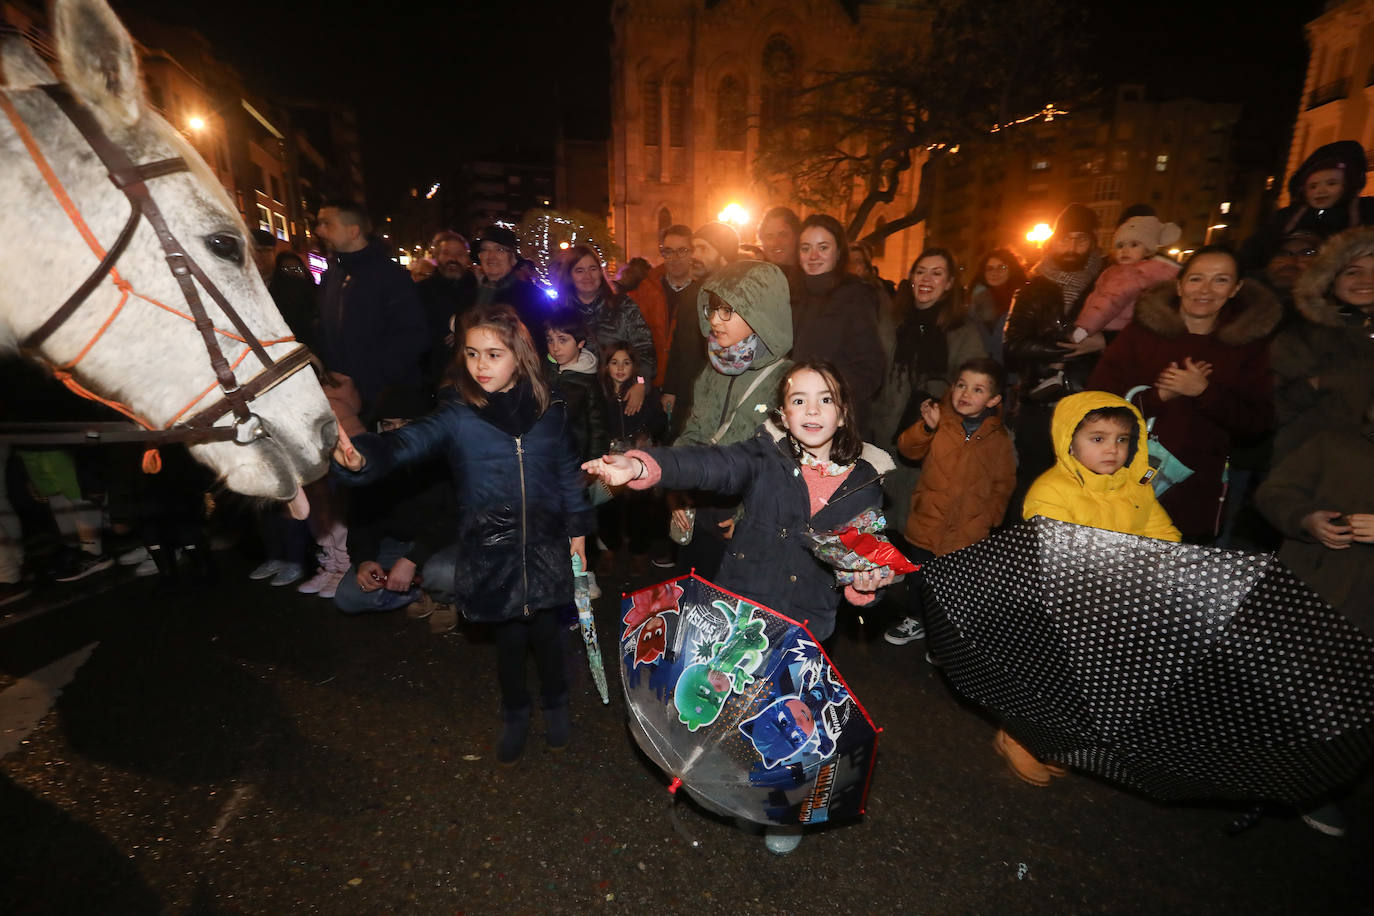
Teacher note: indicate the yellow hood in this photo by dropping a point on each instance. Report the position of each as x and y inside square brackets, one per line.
[1069, 413]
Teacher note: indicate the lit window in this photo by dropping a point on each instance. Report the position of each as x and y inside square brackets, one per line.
[1162, 163]
[1225, 207]
[1040, 165]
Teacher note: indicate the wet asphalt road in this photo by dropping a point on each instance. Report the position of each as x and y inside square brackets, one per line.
[242, 749]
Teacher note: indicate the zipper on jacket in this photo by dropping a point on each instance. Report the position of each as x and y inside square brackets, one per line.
[524, 570]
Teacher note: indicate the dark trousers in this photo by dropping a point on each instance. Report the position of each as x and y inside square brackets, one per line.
[633, 517]
[514, 639]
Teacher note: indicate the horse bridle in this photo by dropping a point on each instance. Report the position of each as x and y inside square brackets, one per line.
[130, 178]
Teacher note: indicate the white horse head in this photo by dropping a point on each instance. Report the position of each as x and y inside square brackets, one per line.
[129, 341]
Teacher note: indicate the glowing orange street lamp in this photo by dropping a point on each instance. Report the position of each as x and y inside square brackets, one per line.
[195, 122]
[1040, 234]
[734, 214]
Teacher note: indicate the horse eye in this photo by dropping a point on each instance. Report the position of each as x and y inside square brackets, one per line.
[226, 246]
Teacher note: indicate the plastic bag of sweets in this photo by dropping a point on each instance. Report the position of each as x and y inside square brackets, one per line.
[859, 546]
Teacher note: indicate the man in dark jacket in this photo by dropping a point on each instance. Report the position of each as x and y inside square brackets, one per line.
[445, 296]
[372, 328]
[1036, 340]
[498, 251]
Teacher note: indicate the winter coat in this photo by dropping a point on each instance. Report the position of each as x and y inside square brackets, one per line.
[1350, 211]
[617, 318]
[294, 297]
[444, 302]
[1332, 343]
[1329, 471]
[651, 297]
[580, 388]
[836, 319]
[769, 558]
[1121, 501]
[686, 345]
[966, 480]
[758, 292]
[520, 498]
[1037, 322]
[1237, 402]
[528, 300]
[1111, 303]
[647, 427]
[372, 327]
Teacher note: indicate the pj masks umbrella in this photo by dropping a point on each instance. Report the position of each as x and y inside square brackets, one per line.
[741, 705]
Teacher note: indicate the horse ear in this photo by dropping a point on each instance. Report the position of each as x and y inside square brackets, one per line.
[21, 67]
[98, 60]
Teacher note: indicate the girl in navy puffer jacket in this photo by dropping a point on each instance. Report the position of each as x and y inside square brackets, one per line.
[522, 507]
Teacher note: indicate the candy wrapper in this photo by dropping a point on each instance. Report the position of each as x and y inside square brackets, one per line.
[860, 546]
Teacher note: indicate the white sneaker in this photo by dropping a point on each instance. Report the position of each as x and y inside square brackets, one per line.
[908, 630]
[146, 568]
[267, 569]
[133, 557]
[318, 581]
[288, 573]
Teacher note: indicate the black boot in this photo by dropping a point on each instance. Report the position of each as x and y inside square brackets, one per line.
[514, 729]
[557, 722]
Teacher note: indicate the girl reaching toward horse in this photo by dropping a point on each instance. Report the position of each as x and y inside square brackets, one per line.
[522, 508]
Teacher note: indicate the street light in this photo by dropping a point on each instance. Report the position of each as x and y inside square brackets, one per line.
[734, 214]
[1040, 234]
[196, 122]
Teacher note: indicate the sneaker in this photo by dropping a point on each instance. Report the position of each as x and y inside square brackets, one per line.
[147, 568]
[782, 840]
[664, 560]
[317, 582]
[331, 585]
[908, 630]
[1050, 388]
[11, 592]
[80, 564]
[593, 590]
[134, 557]
[421, 607]
[1326, 819]
[444, 619]
[267, 569]
[287, 574]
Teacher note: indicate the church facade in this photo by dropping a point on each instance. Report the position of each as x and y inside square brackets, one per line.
[696, 88]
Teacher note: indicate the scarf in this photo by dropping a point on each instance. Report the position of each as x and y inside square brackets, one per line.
[513, 412]
[736, 358]
[823, 467]
[922, 346]
[1072, 283]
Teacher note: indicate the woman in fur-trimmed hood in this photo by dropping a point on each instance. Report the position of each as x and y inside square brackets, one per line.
[1335, 297]
[1197, 350]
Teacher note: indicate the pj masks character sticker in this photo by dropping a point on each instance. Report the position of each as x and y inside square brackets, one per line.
[646, 623]
[721, 668]
[801, 728]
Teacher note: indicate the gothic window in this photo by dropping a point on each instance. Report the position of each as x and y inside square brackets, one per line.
[731, 114]
[677, 113]
[653, 113]
[779, 80]
[665, 218]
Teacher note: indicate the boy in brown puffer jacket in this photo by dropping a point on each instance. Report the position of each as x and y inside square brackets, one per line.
[968, 474]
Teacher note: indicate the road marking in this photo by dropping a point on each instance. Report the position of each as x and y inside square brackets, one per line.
[24, 704]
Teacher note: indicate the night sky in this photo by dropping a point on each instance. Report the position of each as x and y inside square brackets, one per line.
[437, 82]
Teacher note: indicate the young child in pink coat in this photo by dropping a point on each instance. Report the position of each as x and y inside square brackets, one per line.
[1138, 267]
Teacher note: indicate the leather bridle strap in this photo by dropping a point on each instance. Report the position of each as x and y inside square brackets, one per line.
[127, 176]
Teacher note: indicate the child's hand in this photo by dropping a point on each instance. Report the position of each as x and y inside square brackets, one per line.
[634, 399]
[346, 455]
[577, 547]
[727, 528]
[870, 580]
[615, 470]
[930, 414]
[1323, 526]
[1362, 526]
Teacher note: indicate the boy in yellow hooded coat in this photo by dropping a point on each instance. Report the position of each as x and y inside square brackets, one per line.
[1101, 478]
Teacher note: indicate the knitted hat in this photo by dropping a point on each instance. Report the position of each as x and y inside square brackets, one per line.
[1148, 231]
[498, 235]
[722, 238]
[1076, 218]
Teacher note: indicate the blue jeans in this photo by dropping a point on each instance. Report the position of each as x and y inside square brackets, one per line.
[437, 575]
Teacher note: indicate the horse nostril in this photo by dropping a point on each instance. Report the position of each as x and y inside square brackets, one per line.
[329, 433]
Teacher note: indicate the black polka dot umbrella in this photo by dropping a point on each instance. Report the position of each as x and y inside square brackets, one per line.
[1181, 671]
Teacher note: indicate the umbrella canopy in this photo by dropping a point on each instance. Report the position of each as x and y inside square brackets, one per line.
[1181, 671]
[743, 706]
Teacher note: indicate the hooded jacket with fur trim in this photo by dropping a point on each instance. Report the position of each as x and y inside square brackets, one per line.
[1199, 430]
[1121, 501]
[1318, 355]
[1351, 210]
